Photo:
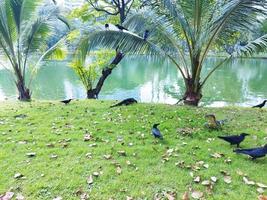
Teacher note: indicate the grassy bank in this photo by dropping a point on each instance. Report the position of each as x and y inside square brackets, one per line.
[121, 158]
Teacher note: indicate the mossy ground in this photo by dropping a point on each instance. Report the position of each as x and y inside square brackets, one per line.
[147, 170]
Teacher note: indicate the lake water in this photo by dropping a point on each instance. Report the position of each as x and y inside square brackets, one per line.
[241, 82]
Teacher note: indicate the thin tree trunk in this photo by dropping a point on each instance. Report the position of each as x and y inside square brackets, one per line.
[93, 93]
[192, 94]
[24, 92]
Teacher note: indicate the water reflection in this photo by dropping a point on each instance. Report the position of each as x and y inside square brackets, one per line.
[240, 82]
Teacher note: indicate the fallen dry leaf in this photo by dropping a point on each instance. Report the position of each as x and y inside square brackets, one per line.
[95, 174]
[7, 196]
[248, 182]
[107, 157]
[260, 190]
[261, 185]
[87, 137]
[206, 183]
[58, 198]
[261, 197]
[119, 170]
[90, 180]
[197, 179]
[84, 196]
[217, 155]
[213, 179]
[170, 195]
[122, 153]
[20, 197]
[227, 179]
[31, 154]
[18, 175]
[197, 194]
[185, 196]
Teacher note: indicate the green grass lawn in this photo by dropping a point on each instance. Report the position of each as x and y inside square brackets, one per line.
[122, 157]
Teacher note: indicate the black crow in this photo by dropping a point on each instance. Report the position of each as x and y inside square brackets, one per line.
[125, 102]
[156, 132]
[254, 153]
[106, 26]
[234, 139]
[121, 27]
[67, 101]
[260, 105]
[146, 34]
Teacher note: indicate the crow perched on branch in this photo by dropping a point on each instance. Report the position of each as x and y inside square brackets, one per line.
[146, 34]
[107, 26]
[121, 27]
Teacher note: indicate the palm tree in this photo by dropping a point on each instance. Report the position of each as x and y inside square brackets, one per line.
[23, 39]
[94, 70]
[184, 31]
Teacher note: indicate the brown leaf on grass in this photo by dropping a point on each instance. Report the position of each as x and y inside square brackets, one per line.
[206, 182]
[170, 195]
[121, 153]
[240, 173]
[247, 181]
[84, 196]
[186, 131]
[197, 194]
[95, 174]
[20, 197]
[217, 155]
[7, 196]
[119, 170]
[180, 164]
[228, 161]
[227, 179]
[129, 198]
[89, 155]
[262, 197]
[197, 179]
[209, 189]
[107, 157]
[18, 175]
[90, 180]
[50, 145]
[260, 190]
[225, 173]
[53, 156]
[58, 198]
[185, 196]
[93, 145]
[213, 179]
[261, 185]
[31, 154]
[87, 137]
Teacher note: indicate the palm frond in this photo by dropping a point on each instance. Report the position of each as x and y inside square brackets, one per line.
[256, 46]
[125, 41]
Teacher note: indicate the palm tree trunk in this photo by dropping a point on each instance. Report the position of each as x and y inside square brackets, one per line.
[24, 92]
[193, 93]
[93, 93]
